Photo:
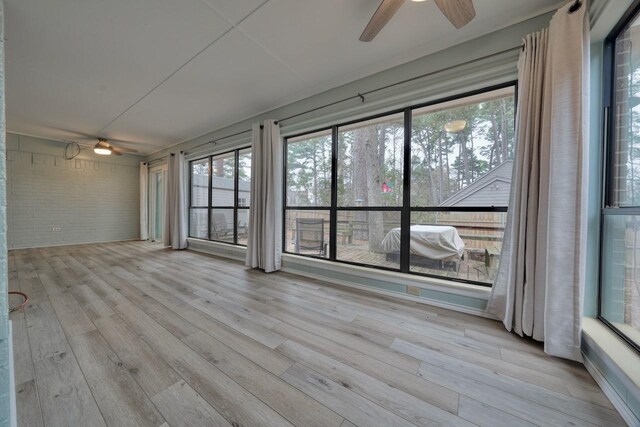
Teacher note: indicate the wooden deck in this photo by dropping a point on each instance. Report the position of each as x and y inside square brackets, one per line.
[133, 334]
[466, 269]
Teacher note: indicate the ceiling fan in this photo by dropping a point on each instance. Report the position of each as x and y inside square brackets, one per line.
[458, 12]
[104, 148]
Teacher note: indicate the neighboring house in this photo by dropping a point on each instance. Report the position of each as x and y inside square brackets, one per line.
[492, 189]
[222, 194]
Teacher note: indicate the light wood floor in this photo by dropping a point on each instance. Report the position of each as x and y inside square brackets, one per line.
[133, 334]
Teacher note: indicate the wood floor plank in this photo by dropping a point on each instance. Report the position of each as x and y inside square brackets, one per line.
[232, 401]
[526, 374]
[28, 404]
[340, 399]
[395, 377]
[118, 395]
[243, 324]
[72, 317]
[34, 289]
[179, 338]
[168, 319]
[65, 397]
[557, 401]
[144, 365]
[183, 407]
[23, 366]
[403, 404]
[295, 406]
[577, 380]
[487, 416]
[91, 303]
[499, 399]
[271, 360]
[397, 359]
[168, 346]
[453, 343]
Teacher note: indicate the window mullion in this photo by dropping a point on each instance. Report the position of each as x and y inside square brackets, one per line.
[209, 197]
[236, 174]
[405, 216]
[333, 214]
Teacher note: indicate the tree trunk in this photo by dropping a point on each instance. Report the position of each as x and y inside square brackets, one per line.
[374, 178]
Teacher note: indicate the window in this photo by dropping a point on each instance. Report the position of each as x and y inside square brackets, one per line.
[423, 191]
[619, 303]
[308, 179]
[220, 195]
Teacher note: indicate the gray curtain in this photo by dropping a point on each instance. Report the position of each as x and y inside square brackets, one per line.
[144, 201]
[264, 245]
[538, 291]
[175, 220]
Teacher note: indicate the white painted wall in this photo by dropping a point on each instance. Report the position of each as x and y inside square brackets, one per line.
[90, 198]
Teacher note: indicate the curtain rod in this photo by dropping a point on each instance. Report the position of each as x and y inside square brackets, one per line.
[159, 159]
[361, 95]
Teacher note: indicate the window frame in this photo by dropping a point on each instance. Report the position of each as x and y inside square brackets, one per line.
[608, 155]
[405, 208]
[236, 190]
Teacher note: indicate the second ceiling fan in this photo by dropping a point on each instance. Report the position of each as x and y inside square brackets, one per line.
[458, 12]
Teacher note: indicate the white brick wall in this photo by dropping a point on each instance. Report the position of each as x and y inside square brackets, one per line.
[6, 409]
[90, 198]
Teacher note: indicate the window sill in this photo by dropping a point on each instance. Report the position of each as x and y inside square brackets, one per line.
[615, 366]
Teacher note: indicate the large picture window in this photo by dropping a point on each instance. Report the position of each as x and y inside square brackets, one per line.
[619, 302]
[424, 190]
[220, 197]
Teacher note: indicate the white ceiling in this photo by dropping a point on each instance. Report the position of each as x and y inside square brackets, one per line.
[157, 72]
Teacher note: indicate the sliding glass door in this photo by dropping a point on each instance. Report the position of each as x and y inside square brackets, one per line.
[157, 195]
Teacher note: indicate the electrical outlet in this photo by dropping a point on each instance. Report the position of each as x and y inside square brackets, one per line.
[413, 290]
[55, 229]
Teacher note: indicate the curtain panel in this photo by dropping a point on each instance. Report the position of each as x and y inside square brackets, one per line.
[144, 201]
[264, 244]
[175, 222]
[538, 290]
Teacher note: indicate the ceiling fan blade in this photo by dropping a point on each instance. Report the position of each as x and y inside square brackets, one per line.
[116, 151]
[458, 12]
[383, 14]
[126, 150]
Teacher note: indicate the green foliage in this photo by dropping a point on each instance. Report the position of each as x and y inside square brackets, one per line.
[442, 163]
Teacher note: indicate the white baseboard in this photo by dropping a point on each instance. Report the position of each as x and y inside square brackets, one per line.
[73, 244]
[225, 250]
[13, 413]
[627, 415]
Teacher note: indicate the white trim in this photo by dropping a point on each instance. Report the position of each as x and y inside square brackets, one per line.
[74, 244]
[13, 412]
[226, 250]
[618, 403]
[430, 283]
[618, 358]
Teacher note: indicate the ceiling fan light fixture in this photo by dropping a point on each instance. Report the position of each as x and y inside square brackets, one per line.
[102, 151]
[455, 126]
[418, 1]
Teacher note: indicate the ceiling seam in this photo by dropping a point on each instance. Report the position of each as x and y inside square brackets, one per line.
[182, 66]
[267, 51]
